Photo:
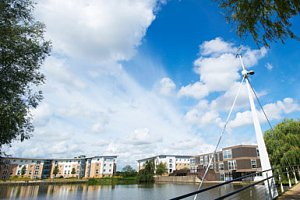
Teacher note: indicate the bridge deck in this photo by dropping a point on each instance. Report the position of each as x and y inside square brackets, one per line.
[293, 193]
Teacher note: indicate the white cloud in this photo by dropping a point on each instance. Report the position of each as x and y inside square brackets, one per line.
[216, 47]
[273, 111]
[167, 86]
[196, 90]
[219, 67]
[269, 66]
[96, 29]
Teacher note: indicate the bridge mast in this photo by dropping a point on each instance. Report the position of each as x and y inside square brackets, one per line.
[264, 157]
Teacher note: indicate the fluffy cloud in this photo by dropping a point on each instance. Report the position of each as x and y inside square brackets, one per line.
[167, 86]
[96, 29]
[219, 68]
[218, 65]
[196, 90]
[272, 110]
[217, 47]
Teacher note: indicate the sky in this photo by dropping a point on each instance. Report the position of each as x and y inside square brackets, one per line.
[141, 78]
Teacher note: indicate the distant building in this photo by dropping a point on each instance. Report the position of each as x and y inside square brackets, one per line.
[230, 163]
[173, 162]
[81, 167]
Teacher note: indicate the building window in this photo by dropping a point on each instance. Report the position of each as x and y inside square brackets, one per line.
[36, 173]
[257, 152]
[231, 165]
[222, 177]
[170, 165]
[221, 166]
[253, 163]
[170, 160]
[201, 160]
[206, 160]
[37, 167]
[227, 154]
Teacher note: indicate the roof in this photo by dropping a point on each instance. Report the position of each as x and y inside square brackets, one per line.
[75, 158]
[176, 156]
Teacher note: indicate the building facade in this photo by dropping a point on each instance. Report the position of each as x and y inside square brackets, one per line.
[230, 163]
[79, 167]
[172, 162]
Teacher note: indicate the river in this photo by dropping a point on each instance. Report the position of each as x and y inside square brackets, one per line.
[117, 192]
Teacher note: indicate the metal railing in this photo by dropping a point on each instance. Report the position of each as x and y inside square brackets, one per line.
[244, 188]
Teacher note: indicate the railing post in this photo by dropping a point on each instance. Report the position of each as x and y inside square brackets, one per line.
[296, 181]
[288, 176]
[269, 195]
[280, 182]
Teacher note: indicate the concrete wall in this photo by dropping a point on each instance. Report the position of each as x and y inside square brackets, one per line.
[177, 179]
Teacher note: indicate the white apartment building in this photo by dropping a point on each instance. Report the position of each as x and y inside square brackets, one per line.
[79, 167]
[173, 162]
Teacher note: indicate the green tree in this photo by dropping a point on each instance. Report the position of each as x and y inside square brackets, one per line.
[128, 171]
[22, 51]
[161, 168]
[146, 175]
[73, 171]
[23, 170]
[55, 171]
[265, 21]
[283, 143]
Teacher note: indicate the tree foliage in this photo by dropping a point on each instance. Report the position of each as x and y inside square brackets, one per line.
[161, 168]
[283, 143]
[55, 171]
[73, 171]
[266, 21]
[146, 175]
[22, 51]
[128, 171]
[23, 170]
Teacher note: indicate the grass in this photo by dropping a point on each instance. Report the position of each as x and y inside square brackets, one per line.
[112, 181]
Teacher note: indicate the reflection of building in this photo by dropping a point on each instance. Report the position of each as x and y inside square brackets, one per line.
[98, 166]
[230, 163]
[173, 162]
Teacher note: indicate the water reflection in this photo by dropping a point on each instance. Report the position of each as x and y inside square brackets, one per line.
[119, 192]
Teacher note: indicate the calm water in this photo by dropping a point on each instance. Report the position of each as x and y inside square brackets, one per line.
[118, 192]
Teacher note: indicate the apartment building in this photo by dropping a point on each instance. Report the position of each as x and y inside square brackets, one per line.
[173, 162]
[229, 163]
[81, 167]
[26, 167]
[100, 166]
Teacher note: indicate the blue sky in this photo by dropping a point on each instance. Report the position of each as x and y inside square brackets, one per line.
[140, 78]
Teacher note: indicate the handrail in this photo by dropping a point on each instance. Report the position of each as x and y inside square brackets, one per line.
[236, 179]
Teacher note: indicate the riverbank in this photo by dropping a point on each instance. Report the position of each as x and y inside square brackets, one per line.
[43, 182]
[91, 181]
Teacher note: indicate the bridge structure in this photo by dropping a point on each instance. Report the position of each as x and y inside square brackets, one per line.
[250, 188]
[268, 184]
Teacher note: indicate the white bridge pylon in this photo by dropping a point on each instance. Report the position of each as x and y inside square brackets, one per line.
[271, 189]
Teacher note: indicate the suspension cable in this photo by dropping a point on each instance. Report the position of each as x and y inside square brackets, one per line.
[220, 138]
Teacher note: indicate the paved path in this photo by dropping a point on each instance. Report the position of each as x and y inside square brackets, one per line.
[291, 194]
